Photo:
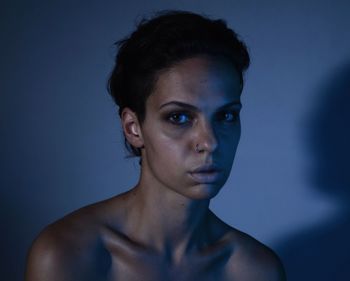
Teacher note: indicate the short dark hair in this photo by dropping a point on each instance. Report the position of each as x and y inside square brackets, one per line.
[157, 44]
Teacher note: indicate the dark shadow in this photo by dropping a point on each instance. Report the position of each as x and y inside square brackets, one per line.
[322, 252]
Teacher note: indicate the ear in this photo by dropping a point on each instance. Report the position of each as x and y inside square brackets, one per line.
[131, 127]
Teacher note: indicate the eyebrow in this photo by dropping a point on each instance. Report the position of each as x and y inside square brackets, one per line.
[194, 108]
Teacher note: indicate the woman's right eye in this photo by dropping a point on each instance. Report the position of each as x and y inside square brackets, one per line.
[179, 118]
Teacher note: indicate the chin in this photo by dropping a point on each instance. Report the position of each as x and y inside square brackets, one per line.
[203, 191]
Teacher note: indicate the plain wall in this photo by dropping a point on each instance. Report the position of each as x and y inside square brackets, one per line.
[61, 146]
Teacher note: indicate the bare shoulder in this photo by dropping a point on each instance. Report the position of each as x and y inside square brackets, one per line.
[70, 248]
[252, 260]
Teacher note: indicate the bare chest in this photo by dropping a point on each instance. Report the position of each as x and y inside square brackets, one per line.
[148, 267]
[132, 261]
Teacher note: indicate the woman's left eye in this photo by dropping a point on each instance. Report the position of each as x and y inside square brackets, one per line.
[228, 116]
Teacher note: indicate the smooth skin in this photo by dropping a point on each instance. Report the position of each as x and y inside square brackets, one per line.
[163, 229]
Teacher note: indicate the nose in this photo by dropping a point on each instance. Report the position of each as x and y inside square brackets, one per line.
[205, 140]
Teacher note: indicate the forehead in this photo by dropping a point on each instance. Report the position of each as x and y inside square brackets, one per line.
[201, 81]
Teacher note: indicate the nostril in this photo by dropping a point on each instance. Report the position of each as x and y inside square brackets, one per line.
[209, 145]
[206, 136]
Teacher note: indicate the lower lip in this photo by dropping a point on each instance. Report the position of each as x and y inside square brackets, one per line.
[209, 177]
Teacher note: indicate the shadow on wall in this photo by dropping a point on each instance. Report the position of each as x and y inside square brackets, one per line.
[322, 252]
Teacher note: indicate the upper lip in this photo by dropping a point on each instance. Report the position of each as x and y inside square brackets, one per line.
[206, 168]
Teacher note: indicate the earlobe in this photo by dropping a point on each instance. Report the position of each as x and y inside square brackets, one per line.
[131, 128]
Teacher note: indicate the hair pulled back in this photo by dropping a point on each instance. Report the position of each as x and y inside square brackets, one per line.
[159, 43]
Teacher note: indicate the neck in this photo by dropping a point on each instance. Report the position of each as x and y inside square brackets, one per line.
[166, 220]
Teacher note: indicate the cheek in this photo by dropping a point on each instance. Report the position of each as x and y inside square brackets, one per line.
[166, 159]
[228, 142]
[229, 135]
[166, 147]
[174, 134]
[175, 139]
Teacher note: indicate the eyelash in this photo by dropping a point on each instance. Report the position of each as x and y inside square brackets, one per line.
[189, 117]
[234, 116]
[171, 116]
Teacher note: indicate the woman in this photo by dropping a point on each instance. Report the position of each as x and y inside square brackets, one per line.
[177, 81]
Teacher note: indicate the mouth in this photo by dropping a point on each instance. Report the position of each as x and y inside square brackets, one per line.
[206, 174]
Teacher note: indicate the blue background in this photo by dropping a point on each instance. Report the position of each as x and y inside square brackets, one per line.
[61, 146]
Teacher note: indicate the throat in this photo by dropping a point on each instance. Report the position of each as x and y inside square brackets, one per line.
[167, 224]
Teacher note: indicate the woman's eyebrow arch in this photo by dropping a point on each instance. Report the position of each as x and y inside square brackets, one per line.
[194, 108]
[233, 103]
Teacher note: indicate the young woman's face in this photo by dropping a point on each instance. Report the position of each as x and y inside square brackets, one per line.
[192, 127]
